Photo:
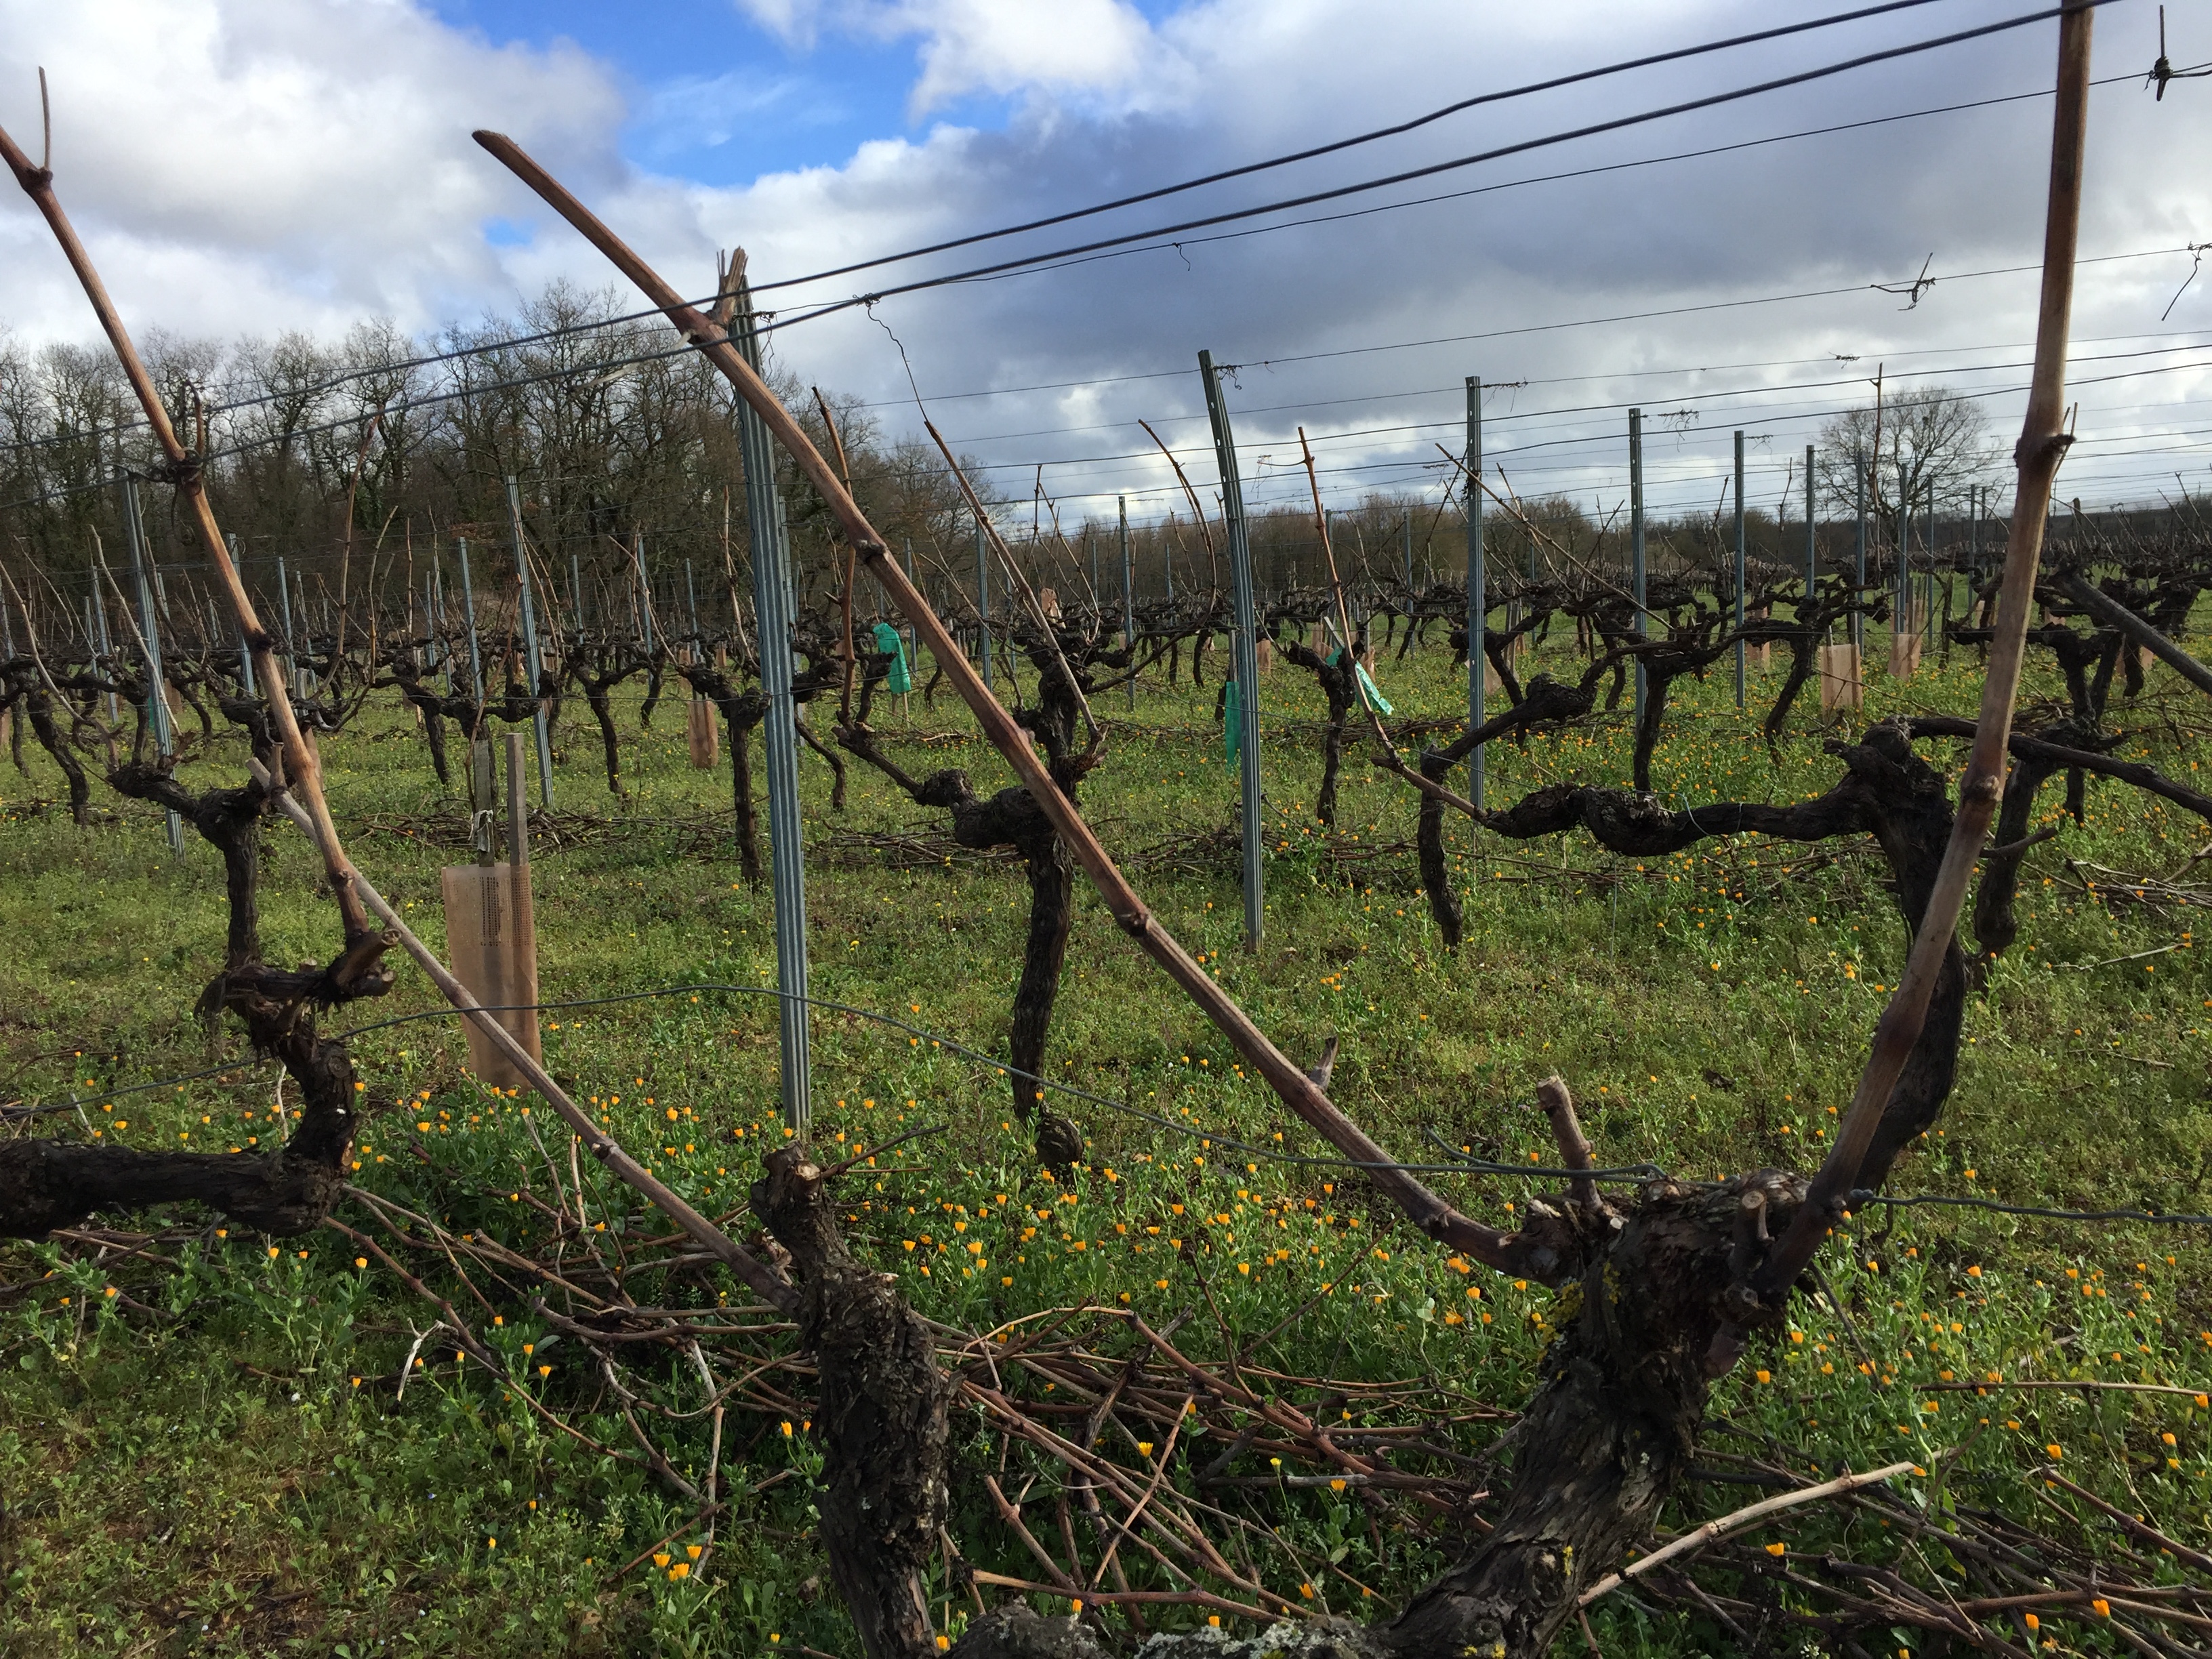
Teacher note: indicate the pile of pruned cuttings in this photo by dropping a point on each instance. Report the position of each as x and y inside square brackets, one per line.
[1134, 1468]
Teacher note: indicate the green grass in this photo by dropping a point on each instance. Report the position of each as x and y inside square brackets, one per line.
[214, 1482]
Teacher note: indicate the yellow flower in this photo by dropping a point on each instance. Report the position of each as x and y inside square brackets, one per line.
[660, 1558]
[2102, 1607]
[681, 1569]
[1778, 1550]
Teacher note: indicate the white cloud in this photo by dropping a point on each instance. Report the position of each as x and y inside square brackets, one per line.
[305, 161]
[1094, 49]
[250, 165]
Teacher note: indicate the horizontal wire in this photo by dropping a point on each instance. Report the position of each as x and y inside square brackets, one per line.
[1502, 96]
[1593, 171]
[1461, 1163]
[573, 329]
[1521, 147]
[1862, 1198]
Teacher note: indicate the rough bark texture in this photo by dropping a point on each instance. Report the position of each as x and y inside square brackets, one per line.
[882, 1417]
[743, 708]
[1610, 1432]
[1887, 791]
[1545, 700]
[1013, 819]
[1600, 1448]
[45, 1184]
[436, 709]
[596, 665]
[39, 707]
[1651, 1284]
[1340, 686]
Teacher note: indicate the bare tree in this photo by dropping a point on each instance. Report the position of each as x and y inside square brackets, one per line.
[1911, 443]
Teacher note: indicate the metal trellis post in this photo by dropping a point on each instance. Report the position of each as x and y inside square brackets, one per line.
[983, 602]
[95, 629]
[1904, 556]
[535, 654]
[1478, 585]
[1245, 646]
[1636, 538]
[1931, 563]
[1129, 597]
[1739, 570]
[244, 654]
[157, 699]
[1812, 540]
[284, 594]
[468, 621]
[771, 562]
[1858, 547]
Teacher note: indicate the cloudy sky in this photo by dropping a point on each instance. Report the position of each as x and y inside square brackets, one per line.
[249, 165]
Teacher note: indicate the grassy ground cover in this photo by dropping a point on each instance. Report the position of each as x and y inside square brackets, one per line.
[190, 1466]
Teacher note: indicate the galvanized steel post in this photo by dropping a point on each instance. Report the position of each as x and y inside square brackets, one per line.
[1812, 540]
[1129, 597]
[1245, 646]
[533, 654]
[1931, 560]
[245, 651]
[1636, 538]
[983, 602]
[469, 624]
[157, 698]
[1858, 547]
[1478, 584]
[771, 563]
[1739, 570]
[284, 595]
[95, 630]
